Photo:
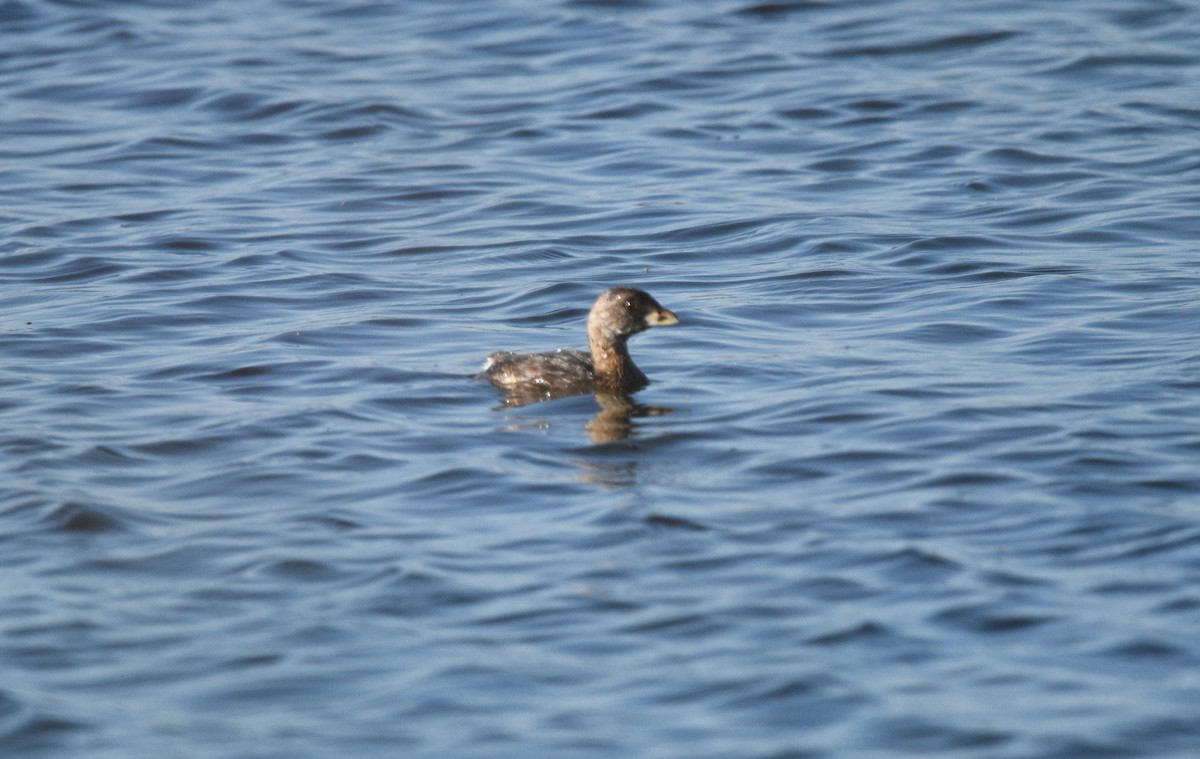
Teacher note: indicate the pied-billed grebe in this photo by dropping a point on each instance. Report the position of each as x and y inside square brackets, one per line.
[618, 314]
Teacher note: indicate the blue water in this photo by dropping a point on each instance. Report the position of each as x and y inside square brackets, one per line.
[918, 473]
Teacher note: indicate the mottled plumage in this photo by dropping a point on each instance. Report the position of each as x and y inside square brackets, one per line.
[618, 314]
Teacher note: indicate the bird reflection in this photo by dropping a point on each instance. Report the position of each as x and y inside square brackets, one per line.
[612, 423]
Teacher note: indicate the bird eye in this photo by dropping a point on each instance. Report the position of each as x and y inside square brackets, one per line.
[628, 305]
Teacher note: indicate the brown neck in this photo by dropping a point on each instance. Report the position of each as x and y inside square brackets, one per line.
[614, 369]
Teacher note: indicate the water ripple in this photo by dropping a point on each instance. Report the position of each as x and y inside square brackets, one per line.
[923, 436]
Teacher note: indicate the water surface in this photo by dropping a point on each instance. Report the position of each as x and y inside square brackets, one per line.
[916, 476]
